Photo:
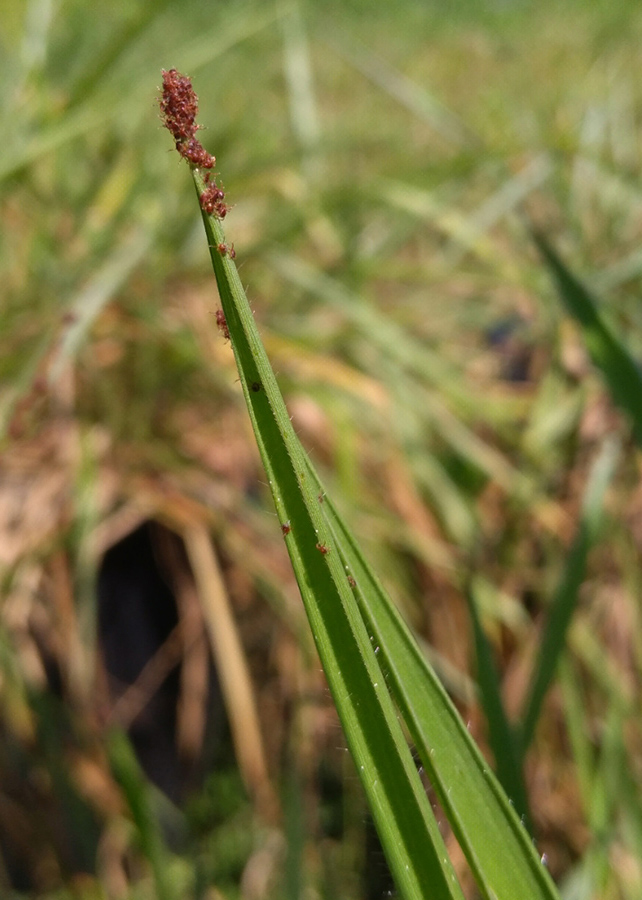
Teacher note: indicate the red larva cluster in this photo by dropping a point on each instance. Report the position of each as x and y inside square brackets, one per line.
[222, 324]
[213, 200]
[179, 106]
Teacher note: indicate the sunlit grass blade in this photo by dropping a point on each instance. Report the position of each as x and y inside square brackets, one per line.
[415, 98]
[118, 43]
[496, 844]
[565, 600]
[406, 824]
[621, 372]
[419, 360]
[91, 300]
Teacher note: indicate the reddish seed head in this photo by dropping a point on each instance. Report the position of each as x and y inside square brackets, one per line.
[322, 549]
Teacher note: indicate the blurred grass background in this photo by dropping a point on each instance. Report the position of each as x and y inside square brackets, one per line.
[383, 162]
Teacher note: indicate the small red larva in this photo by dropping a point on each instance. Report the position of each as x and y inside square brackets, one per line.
[227, 250]
[351, 581]
[322, 548]
[286, 528]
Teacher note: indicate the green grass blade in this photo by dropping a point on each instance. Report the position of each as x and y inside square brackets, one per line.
[137, 794]
[565, 600]
[500, 733]
[407, 827]
[496, 844]
[621, 372]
